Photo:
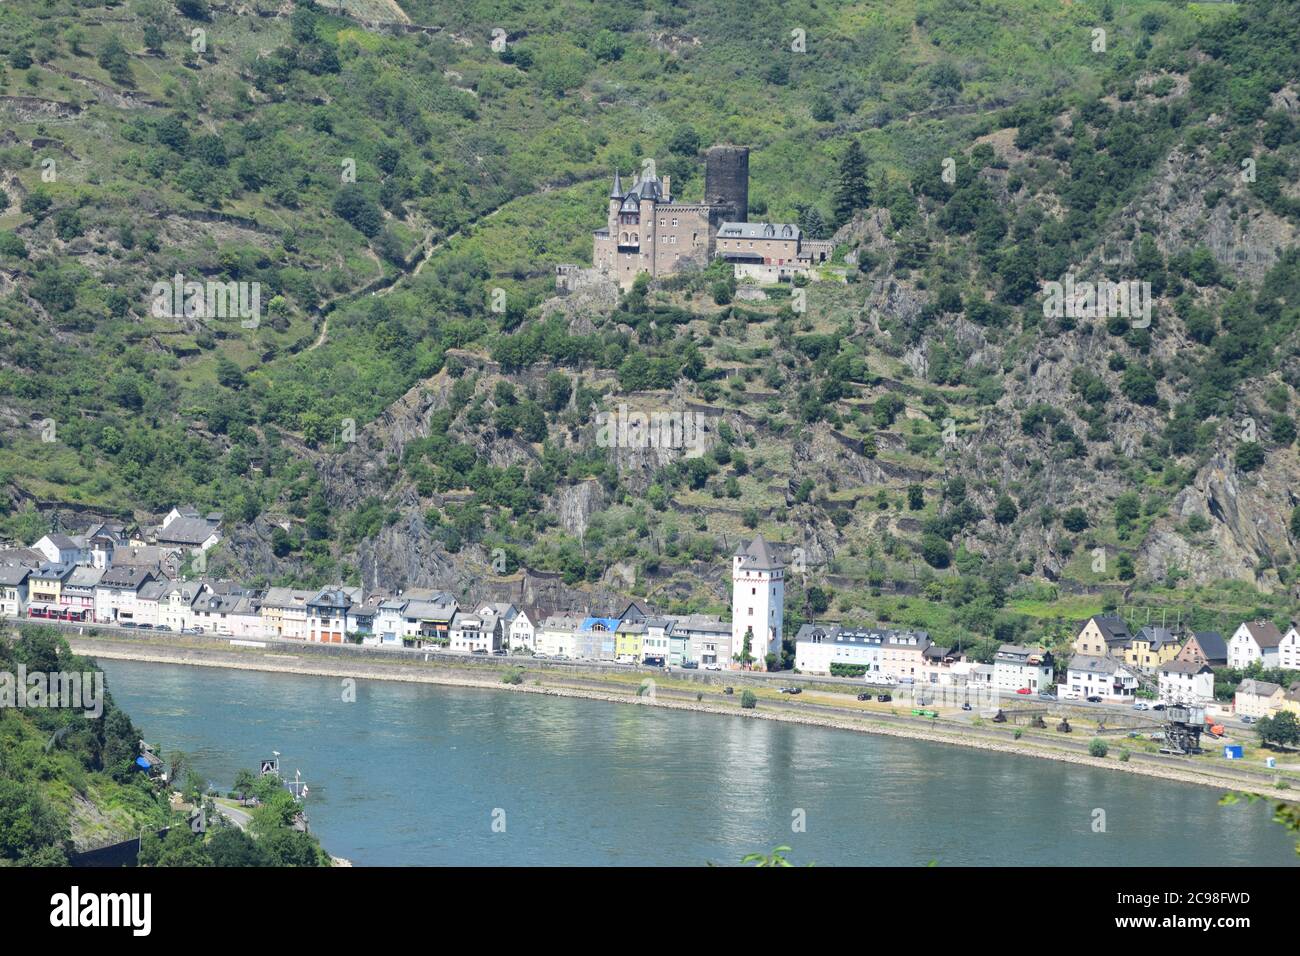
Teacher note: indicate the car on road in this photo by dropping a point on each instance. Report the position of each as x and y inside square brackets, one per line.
[1047, 697]
[1157, 706]
[866, 696]
[541, 657]
[1094, 699]
[792, 690]
[561, 657]
[1024, 690]
[713, 667]
[162, 627]
[965, 706]
[191, 630]
[690, 665]
[1071, 696]
[499, 653]
[884, 698]
[1248, 720]
[1140, 705]
[127, 624]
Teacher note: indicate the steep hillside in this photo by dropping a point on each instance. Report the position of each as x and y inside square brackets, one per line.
[923, 428]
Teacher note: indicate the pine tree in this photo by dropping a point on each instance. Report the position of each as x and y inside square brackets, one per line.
[851, 192]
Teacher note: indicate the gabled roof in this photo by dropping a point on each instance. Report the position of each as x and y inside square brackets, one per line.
[1258, 688]
[1113, 629]
[14, 574]
[187, 531]
[84, 577]
[758, 230]
[61, 541]
[1184, 667]
[1093, 665]
[1265, 633]
[1212, 645]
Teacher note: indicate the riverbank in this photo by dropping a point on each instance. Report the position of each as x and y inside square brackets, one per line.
[832, 707]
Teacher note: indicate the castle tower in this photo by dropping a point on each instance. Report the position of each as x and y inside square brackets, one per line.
[757, 599]
[726, 182]
[615, 201]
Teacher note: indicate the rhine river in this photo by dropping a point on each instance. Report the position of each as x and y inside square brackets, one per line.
[416, 774]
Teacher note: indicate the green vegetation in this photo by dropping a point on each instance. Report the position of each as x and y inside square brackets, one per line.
[345, 160]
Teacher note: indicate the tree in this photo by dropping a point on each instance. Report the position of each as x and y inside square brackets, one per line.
[244, 783]
[748, 701]
[1006, 510]
[851, 191]
[114, 61]
[1282, 728]
[915, 497]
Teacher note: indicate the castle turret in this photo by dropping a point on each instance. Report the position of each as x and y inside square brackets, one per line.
[615, 201]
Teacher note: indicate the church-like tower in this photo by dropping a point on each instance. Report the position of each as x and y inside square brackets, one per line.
[757, 599]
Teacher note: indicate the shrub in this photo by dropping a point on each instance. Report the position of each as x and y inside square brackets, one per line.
[748, 701]
[1098, 748]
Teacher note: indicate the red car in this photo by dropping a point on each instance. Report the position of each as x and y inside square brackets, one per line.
[1024, 690]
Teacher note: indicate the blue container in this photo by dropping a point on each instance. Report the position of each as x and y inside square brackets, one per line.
[1232, 751]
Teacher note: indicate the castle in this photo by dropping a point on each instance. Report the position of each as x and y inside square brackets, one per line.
[647, 231]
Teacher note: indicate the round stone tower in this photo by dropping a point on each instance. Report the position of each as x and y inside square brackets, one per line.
[726, 182]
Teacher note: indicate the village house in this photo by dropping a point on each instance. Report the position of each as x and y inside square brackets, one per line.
[116, 593]
[1101, 635]
[516, 624]
[1205, 647]
[175, 605]
[45, 588]
[61, 549]
[557, 637]
[819, 646]
[478, 632]
[708, 637]
[1288, 650]
[1151, 647]
[1291, 700]
[1257, 698]
[1089, 676]
[187, 528]
[1016, 667]
[13, 590]
[418, 617]
[284, 613]
[151, 603]
[629, 641]
[656, 646]
[1254, 641]
[902, 655]
[1186, 682]
[77, 596]
[327, 614]
[594, 638]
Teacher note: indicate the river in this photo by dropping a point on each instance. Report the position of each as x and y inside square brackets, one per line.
[416, 774]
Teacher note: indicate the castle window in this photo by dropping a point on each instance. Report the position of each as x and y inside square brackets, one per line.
[661, 223]
[674, 222]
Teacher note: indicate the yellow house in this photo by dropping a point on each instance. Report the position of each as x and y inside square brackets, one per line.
[1100, 635]
[1151, 647]
[629, 641]
[46, 584]
[1291, 700]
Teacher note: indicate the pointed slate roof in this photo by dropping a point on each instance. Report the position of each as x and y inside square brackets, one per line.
[759, 557]
[617, 191]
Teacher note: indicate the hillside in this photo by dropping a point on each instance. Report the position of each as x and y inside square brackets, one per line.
[923, 429]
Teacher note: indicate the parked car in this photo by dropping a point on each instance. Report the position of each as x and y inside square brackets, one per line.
[191, 630]
[884, 698]
[866, 696]
[1047, 697]
[1024, 690]
[713, 667]
[965, 706]
[499, 653]
[561, 657]
[1248, 720]
[145, 627]
[126, 624]
[728, 690]
[792, 690]
[541, 657]
[1157, 706]
[1141, 705]
[162, 627]
[690, 665]
[1094, 699]
[1071, 696]
[479, 650]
